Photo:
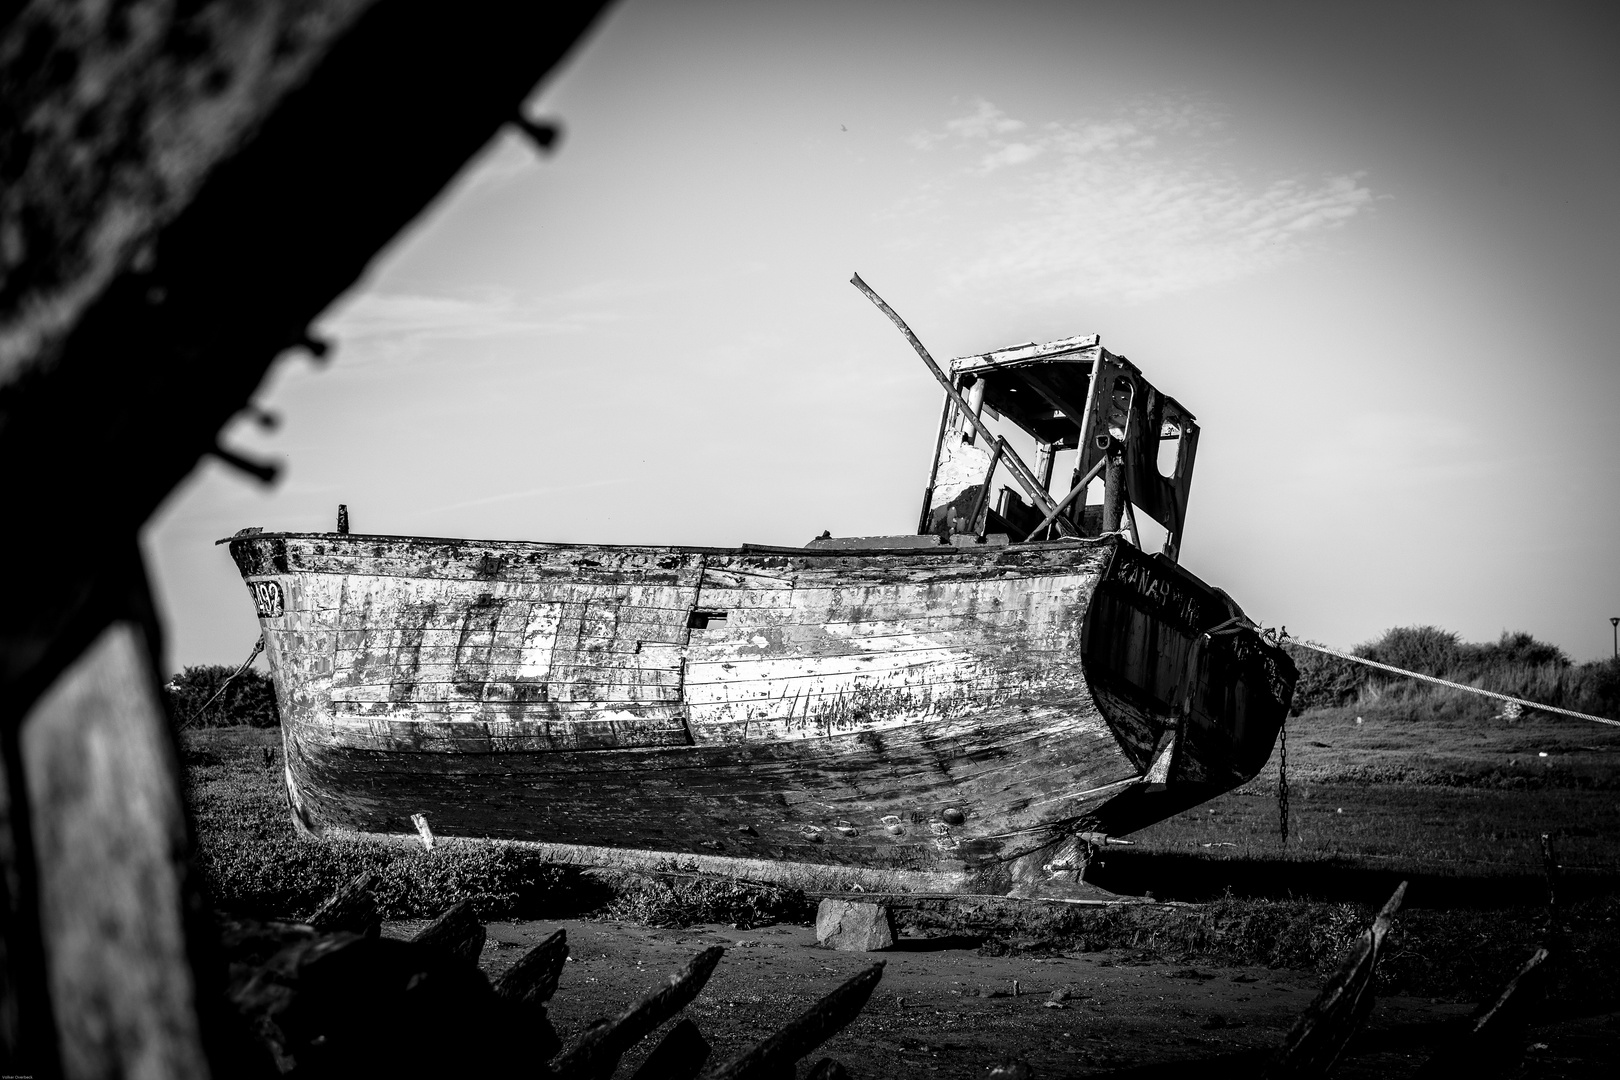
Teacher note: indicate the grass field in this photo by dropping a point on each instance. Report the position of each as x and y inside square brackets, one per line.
[1456, 805]
[1388, 787]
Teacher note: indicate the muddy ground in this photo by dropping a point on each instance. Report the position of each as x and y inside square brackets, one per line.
[943, 1010]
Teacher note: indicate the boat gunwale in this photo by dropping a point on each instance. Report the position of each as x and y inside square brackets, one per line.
[684, 549]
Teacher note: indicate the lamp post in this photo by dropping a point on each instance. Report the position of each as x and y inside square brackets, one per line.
[1614, 624]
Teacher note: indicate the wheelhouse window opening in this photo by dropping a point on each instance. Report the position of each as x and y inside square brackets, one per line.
[1082, 445]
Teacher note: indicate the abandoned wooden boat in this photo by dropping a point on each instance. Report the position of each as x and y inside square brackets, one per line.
[969, 709]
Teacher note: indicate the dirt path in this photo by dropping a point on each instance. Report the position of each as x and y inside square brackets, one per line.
[944, 1011]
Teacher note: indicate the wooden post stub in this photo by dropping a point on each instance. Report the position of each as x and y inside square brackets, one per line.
[827, 1069]
[533, 979]
[457, 932]
[352, 907]
[343, 519]
[678, 1056]
[1320, 1035]
[422, 829]
[597, 1052]
[776, 1054]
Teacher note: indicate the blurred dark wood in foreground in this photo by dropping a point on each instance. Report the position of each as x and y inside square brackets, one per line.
[182, 189]
[335, 1003]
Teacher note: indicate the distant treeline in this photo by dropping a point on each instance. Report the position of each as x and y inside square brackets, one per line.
[248, 699]
[1515, 664]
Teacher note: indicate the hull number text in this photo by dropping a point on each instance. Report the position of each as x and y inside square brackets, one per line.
[267, 598]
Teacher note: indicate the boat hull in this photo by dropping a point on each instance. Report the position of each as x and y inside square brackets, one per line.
[947, 719]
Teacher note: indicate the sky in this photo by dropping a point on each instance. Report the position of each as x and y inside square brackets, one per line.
[1373, 247]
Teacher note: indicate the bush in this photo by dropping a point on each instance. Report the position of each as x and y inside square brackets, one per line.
[1516, 664]
[1514, 649]
[1426, 649]
[683, 902]
[249, 699]
[1324, 681]
[1597, 688]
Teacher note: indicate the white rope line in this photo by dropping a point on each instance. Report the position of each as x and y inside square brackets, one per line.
[1447, 682]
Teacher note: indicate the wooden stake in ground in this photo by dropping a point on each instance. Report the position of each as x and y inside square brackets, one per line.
[776, 1054]
[1321, 1034]
[596, 1053]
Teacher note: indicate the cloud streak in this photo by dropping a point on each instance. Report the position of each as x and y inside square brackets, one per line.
[1127, 208]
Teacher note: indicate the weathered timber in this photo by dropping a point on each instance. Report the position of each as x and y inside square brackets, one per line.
[776, 1054]
[1026, 479]
[332, 1006]
[787, 708]
[983, 501]
[456, 932]
[1493, 1044]
[533, 979]
[1329, 1023]
[187, 186]
[827, 1069]
[105, 816]
[679, 1055]
[1078, 491]
[1553, 871]
[596, 1053]
[352, 907]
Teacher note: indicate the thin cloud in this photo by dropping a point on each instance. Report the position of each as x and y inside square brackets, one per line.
[493, 313]
[1126, 208]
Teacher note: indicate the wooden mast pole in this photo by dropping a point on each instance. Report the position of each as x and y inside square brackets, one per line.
[1026, 479]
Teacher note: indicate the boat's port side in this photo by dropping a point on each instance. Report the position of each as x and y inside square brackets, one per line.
[816, 645]
[899, 710]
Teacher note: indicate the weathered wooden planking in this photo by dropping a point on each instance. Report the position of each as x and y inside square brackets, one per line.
[944, 711]
[878, 803]
[794, 646]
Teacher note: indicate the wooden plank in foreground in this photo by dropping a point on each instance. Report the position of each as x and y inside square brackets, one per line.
[1328, 1024]
[187, 187]
[776, 1054]
[596, 1053]
[1494, 1042]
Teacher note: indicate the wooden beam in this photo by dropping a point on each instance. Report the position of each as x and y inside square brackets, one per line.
[352, 907]
[982, 502]
[533, 979]
[933, 469]
[1026, 479]
[1328, 1024]
[456, 931]
[1077, 491]
[187, 187]
[774, 1056]
[597, 1052]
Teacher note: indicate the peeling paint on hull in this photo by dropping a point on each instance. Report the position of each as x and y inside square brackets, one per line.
[939, 717]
